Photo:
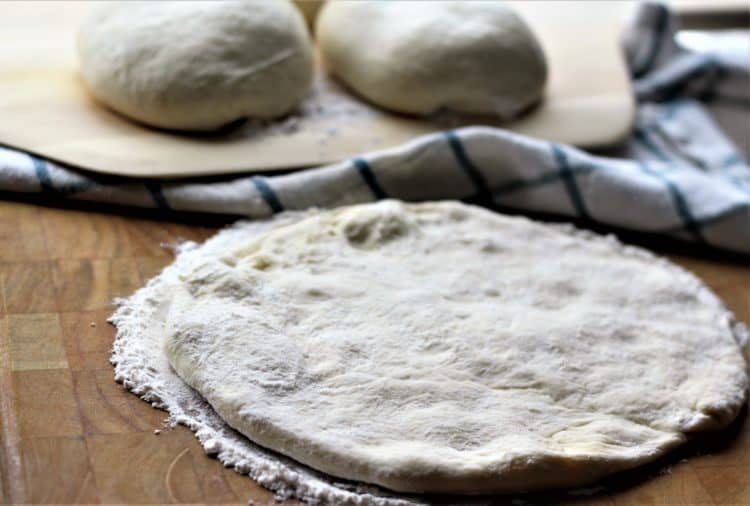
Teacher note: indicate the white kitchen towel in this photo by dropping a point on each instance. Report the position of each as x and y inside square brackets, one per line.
[679, 175]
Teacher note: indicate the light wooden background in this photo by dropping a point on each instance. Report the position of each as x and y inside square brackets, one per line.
[70, 434]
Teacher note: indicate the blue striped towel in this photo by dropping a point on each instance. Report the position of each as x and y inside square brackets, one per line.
[684, 173]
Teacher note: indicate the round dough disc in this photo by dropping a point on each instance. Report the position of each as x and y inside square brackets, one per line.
[196, 65]
[440, 347]
[418, 57]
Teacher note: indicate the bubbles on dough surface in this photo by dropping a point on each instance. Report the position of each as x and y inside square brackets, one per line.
[442, 347]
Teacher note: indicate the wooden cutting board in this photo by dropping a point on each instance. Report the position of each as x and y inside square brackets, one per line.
[70, 434]
[45, 110]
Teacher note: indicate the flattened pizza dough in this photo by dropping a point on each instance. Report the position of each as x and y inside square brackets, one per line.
[441, 347]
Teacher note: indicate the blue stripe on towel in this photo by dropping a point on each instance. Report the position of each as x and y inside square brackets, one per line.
[656, 43]
[568, 178]
[463, 160]
[689, 222]
[369, 178]
[716, 217]
[154, 188]
[267, 193]
[42, 173]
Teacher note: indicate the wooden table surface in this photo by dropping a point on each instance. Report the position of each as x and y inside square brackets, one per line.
[70, 434]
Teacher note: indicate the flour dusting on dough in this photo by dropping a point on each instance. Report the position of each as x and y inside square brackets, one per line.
[237, 272]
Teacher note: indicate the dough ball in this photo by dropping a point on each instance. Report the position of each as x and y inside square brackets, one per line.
[309, 9]
[196, 65]
[419, 57]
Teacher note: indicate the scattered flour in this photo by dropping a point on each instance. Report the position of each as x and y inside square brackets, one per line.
[327, 100]
[140, 365]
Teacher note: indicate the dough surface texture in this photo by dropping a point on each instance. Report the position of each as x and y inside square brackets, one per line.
[414, 57]
[196, 65]
[441, 347]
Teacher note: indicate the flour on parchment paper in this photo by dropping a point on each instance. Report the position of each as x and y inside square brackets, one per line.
[339, 108]
[141, 366]
[327, 100]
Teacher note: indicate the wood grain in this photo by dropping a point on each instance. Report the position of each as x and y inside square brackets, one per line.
[70, 434]
[45, 404]
[87, 338]
[21, 233]
[86, 285]
[31, 288]
[57, 470]
[36, 342]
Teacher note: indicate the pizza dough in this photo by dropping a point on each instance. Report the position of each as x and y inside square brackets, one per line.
[440, 347]
[196, 65]
[419, 57]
